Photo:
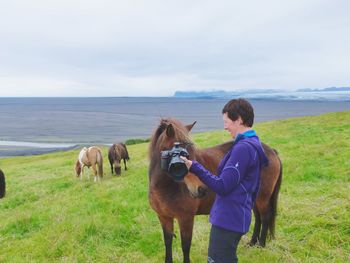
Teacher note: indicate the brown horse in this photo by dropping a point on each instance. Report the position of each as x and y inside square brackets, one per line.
[182, 201]
[2, 184]
[116, 153]
[90, 157]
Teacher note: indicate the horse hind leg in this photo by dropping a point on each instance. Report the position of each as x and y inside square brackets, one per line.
[264, 230]
[168, 234]
[269, 216]
[88, 173]
[95, 173]
[186, 228]
[257, 227]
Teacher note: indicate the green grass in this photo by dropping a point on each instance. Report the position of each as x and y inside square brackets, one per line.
[136, 141]
[48, 215]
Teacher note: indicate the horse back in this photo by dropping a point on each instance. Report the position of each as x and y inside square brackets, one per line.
[118, 151]
[125, 153]
[211, 157]
[93, 155]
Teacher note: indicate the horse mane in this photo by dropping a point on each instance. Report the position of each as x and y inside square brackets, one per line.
[159, 137]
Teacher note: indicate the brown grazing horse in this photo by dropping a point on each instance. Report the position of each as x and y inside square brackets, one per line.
[182, 201]
[116, 153]
[90, 157]
[2, 184]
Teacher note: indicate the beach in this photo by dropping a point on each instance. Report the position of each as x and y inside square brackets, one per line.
[40, 125]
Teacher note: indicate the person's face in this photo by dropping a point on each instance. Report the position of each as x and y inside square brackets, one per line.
[231, 126]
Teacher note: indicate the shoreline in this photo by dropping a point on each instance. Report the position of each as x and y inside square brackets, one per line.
[17, 151]
[32, 126]
[10, 149]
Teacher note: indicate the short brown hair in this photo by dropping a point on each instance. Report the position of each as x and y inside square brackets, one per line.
[240, 108]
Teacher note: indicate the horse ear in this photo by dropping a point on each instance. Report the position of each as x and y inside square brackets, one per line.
[190, 126]
[170, 132]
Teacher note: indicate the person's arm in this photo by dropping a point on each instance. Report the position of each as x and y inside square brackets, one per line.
[231, 175]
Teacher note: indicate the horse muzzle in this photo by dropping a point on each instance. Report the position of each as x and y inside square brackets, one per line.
[201, 192]
[117, 170]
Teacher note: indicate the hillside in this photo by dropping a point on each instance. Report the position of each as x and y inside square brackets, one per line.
[48, 215]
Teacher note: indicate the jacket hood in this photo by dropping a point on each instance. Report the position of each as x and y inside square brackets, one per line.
[251, 138]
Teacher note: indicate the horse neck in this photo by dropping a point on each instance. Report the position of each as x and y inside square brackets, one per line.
[82, 155]
[116, 153]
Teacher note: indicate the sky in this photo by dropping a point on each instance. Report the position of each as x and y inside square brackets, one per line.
[157, 47]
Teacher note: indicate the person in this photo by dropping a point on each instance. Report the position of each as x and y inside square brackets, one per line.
[236, 184]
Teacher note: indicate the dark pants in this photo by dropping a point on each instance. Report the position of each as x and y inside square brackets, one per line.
[223, 245]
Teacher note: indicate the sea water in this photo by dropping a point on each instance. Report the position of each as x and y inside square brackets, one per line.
[37, 125]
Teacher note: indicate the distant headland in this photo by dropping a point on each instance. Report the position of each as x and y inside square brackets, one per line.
[331, 93]
[325, 89]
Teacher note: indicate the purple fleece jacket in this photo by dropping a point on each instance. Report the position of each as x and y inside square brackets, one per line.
[236, 184]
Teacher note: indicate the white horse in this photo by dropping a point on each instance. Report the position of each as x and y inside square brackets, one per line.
[90, 157]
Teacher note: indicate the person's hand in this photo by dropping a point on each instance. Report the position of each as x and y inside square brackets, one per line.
[187, 162]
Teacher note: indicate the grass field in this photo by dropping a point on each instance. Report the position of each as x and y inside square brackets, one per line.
[48, 215]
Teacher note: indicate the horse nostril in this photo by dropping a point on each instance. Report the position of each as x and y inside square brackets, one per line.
[201, 191]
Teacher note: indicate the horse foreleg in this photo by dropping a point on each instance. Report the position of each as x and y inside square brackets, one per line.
[125, 168]
[257, 227]
[168, 234]
[186, 228]
[112, 168]
[82, 172]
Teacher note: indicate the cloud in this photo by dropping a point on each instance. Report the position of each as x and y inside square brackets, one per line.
[119, 48]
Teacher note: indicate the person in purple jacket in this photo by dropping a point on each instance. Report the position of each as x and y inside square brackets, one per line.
[236, 184]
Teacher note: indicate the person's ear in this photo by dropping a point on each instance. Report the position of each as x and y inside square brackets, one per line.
[240, 121]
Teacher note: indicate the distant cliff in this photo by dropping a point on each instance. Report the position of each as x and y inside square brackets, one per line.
[220, 93]
[325, 89]
[202, 94]
[326, 94]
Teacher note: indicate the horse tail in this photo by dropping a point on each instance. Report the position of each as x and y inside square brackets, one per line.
[100, 163]
[273, 202]
[126, 151]
[2, 184]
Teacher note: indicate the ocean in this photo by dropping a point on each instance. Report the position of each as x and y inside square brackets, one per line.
[40, 125]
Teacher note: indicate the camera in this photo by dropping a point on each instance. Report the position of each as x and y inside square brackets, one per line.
[173, 164]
